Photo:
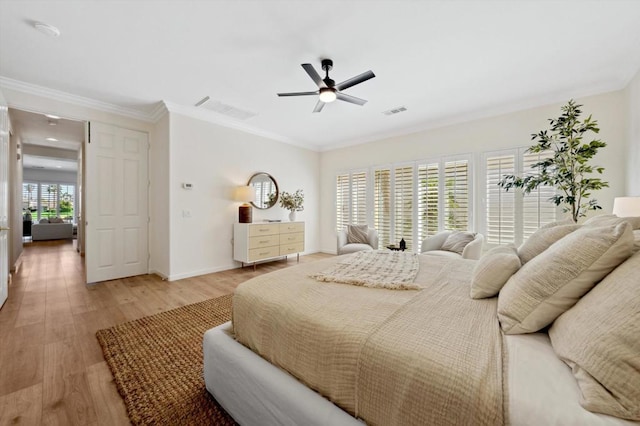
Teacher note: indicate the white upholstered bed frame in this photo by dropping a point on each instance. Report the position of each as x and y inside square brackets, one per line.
[542, 389]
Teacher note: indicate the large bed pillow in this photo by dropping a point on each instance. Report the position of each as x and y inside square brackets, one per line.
[493, 270]
[599, 338]
[609, 219]
[553, 281]
[544, 237]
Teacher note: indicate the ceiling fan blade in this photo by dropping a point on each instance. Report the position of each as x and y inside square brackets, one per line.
[351, 99]
[355, 80]
[314, 75]
[298, 93]
[319, 106]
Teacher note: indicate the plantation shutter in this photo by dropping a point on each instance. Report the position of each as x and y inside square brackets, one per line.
[537, 210]
[382, 205]
[403, 203]
[428, 182]
[66, 202]
[456, 195]
[359, 198]
[342, 201]
[48, 200]
[30, 199]
[500, 204]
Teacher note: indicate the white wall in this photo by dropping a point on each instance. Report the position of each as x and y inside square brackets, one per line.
[49, 176]
[215, 160]
[15, 200]
[633, 158]
[494, 133]
[159, 199]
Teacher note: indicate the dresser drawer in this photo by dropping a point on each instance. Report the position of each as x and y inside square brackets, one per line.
[297, 237]
[264, 241]
[286, 228]
[263, 253]
[267, 229]
[291, 248]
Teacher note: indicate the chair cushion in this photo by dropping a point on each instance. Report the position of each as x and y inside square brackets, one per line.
[457, 241]
[357, 234]
[443, 253]
[352, 248]
[493, 270]
[598, 339]
[556, 279]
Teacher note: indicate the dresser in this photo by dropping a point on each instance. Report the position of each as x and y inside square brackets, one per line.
[255, 242]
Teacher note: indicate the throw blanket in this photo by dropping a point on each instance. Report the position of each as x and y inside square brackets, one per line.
[429, 357]
[378, 269]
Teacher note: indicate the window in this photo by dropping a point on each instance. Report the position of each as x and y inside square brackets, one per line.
[47, 200]
[428, 200]
[403, 205]
[351, 199]
[382, 205]
[511, 217]
[456, 195]
[409, 201]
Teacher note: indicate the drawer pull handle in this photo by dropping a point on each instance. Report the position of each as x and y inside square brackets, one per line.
[264, 254]
[264, 242]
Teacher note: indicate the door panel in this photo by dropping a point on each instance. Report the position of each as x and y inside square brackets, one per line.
[116, 203]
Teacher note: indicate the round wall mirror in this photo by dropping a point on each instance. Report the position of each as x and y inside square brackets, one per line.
[266, 190]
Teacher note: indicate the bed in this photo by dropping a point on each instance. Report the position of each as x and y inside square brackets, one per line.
[303, 351]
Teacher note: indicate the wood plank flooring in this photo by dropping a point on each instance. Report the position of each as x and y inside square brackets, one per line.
[51, 366]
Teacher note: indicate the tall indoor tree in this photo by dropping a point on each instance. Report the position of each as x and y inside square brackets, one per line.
[568, 169]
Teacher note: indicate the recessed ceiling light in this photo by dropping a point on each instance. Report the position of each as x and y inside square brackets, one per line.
[47, 29]
[53, 117]
[52, 139]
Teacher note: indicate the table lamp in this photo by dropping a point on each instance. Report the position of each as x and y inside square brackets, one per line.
[246, 194]
[626, 206]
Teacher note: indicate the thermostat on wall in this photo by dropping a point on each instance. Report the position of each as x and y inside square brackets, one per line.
[187, 185]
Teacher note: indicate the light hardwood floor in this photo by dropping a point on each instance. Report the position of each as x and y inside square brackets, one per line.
[51, 366]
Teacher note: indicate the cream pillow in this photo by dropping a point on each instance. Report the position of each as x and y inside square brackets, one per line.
[610, 219]
[543, 238]
[357, 234]
[457, 241]
[555, 280]
[599, 338]
[493, 270]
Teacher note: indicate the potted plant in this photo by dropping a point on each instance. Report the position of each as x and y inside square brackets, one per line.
[292, 202]
[568, 169]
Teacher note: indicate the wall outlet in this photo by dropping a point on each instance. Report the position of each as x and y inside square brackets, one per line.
[186, 213]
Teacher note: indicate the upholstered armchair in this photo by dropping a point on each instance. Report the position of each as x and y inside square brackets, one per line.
[344, 246]
[438, 245]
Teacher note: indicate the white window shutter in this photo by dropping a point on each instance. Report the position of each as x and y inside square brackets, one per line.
[382, 205]
[342, 201]
[359, 198]
[500, 204]
[537, 210]
[403, 205]
[428, 200]
[456, 195]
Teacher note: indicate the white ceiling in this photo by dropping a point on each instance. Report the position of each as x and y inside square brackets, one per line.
[35, 129]
[445, 61]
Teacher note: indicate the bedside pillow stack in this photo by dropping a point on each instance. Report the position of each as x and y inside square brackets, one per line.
[553, 281]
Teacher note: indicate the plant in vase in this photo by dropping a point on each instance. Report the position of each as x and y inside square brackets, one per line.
[567, 169]
[292, 202]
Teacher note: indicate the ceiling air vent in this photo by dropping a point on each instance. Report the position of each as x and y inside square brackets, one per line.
[225, 109]
[395, 110]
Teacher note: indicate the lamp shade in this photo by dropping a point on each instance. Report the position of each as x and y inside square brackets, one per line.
[244, 194]
[626, 206]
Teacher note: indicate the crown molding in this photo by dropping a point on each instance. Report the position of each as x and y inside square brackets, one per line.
[219, 119]
[58, 95]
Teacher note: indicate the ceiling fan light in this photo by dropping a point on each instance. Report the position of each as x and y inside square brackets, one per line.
[327, 95]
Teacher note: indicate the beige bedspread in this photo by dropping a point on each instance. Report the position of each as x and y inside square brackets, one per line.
[389, 357]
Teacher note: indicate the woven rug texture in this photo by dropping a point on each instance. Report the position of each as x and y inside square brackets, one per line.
[156, 362]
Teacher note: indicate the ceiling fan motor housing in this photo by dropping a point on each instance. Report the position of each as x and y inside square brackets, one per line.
[327, 64]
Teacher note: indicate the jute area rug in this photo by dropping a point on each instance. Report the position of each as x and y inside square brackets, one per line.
[157, 365]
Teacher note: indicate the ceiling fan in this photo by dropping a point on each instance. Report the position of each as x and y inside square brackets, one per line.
[328, 90]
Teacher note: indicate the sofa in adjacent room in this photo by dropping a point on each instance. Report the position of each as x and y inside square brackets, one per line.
[46, 230]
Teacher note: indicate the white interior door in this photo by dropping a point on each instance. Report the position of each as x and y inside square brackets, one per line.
[116, 203]
[4, 202]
